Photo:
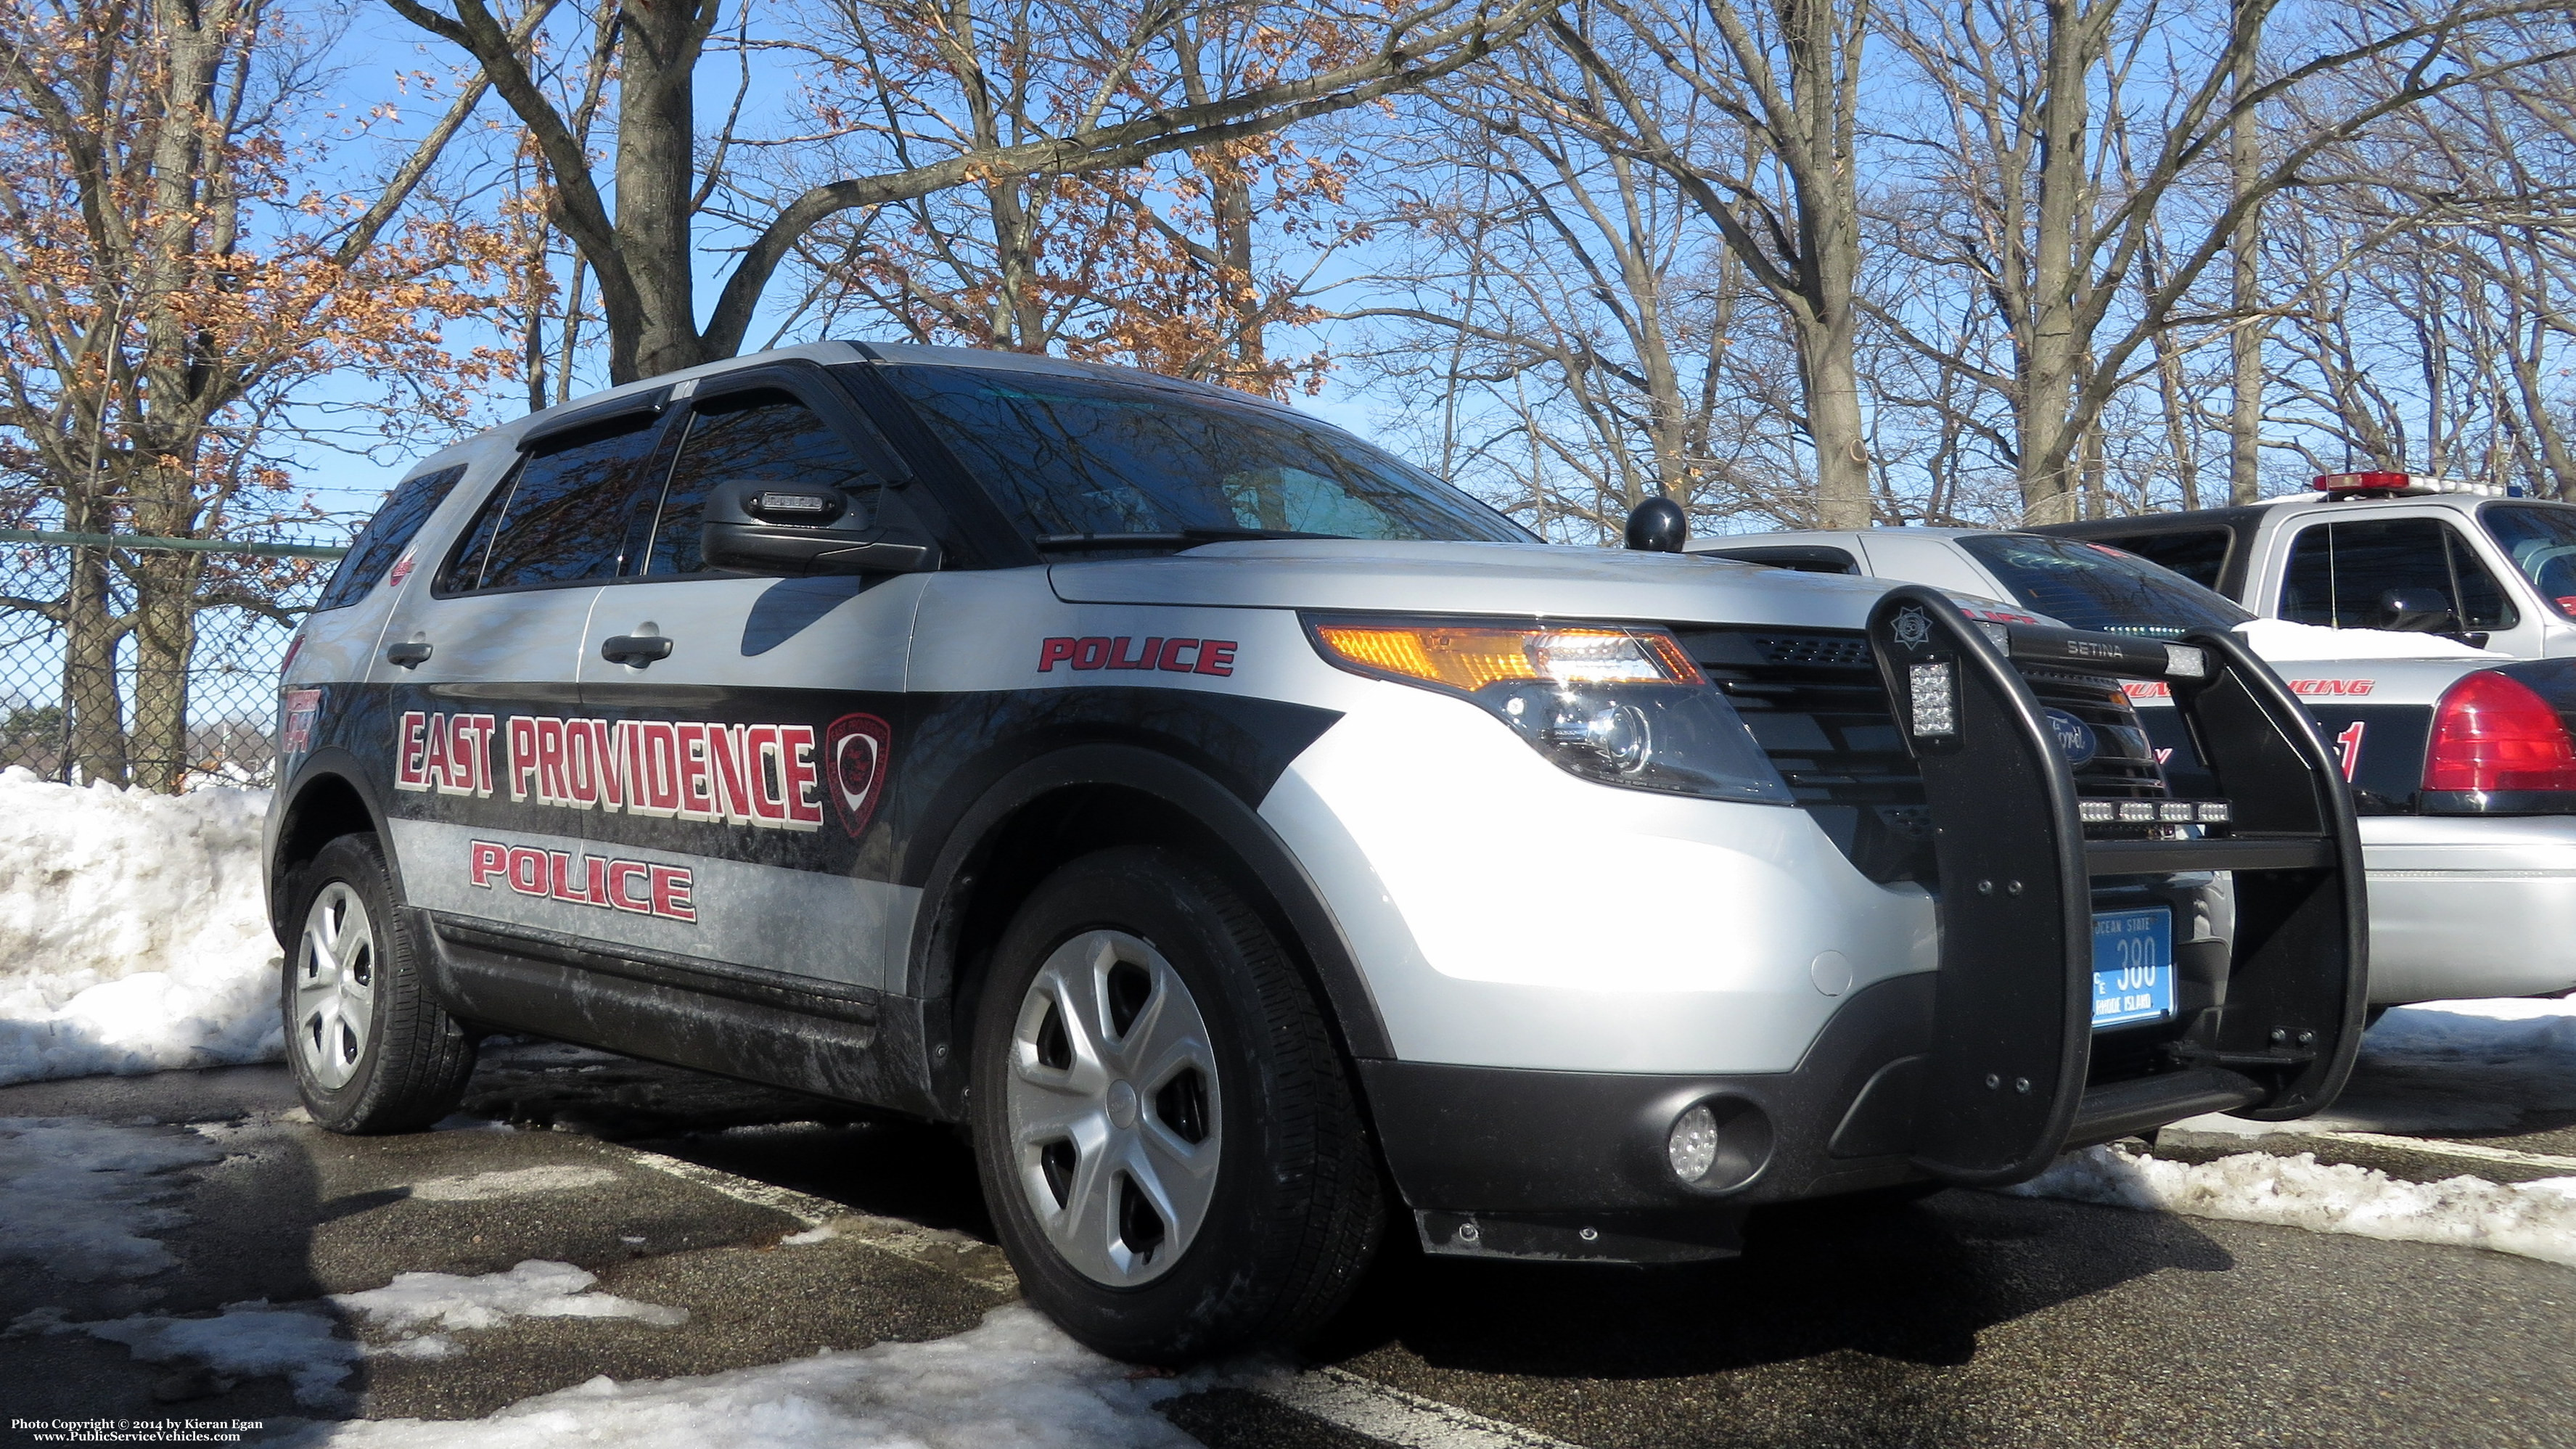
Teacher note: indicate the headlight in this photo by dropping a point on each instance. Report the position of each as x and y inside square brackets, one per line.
[1624, 706]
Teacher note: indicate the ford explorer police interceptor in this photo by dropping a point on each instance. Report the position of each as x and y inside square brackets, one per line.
[2461, 761]
[1231, 825]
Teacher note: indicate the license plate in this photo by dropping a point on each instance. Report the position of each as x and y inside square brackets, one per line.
[2133, 971]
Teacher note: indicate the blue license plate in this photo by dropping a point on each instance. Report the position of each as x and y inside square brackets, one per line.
[2133, 970]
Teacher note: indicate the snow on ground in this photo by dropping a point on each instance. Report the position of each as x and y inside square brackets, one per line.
[133, 937]
[244, 1340]
[2444, 1065]
[300, 1342]
[77, 1197]
[1015, 1382]
[2532, 1219]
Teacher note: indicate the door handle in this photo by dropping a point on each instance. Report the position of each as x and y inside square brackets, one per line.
[638, 650]
[410, 654]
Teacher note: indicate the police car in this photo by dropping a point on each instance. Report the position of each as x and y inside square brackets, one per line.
[1256, 842]
[2380, 551]
[2460, 760]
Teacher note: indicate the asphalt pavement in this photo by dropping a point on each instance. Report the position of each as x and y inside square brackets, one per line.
[1964, 1319]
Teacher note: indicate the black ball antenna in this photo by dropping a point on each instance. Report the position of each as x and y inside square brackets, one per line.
[1657, 526]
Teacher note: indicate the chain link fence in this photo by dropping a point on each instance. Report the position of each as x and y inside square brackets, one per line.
[212, 720]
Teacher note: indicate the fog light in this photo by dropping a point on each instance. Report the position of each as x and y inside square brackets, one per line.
[1692, 1148]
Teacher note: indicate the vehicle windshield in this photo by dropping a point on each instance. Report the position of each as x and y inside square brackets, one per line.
[1073, 455]
[2541, 541]
[2095, 586]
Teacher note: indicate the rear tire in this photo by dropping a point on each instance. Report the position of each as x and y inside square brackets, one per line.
[371, 1051]
[1167, 1136]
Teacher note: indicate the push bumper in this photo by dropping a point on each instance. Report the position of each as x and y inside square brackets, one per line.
[2470, 906]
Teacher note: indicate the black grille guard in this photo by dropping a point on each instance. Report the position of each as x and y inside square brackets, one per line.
[2002, 1091]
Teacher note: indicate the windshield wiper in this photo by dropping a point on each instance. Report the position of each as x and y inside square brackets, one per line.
[1175, 538]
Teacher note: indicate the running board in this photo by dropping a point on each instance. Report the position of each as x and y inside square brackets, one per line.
[2003, 1088]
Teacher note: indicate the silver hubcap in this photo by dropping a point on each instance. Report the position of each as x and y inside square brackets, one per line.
[1113, 1109]
[335, 985]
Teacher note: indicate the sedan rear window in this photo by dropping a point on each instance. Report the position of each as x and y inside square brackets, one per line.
[2094, 586]
[1072, 455]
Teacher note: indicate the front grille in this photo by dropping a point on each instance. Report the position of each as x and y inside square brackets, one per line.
[1815, 703]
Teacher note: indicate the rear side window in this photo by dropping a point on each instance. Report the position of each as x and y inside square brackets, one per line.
[2342, 573]
[386, 535]
[561, 517]
[2541, 541]
[759, 436]
[2198, 554]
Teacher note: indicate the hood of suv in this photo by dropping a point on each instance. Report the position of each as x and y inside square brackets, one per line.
[1473, 578]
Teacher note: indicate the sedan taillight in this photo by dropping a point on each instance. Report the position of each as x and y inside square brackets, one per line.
[2491, 732]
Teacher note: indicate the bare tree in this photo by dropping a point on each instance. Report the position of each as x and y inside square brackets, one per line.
[640, 250]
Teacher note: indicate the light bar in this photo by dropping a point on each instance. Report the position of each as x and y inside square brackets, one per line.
[1936, 712]
[2406, 485]
[2154, 812]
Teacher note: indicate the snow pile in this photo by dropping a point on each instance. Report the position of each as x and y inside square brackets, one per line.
[2532, 1219]
[77, 1196]
[2511, 1032]
[133, 937]
[1014, 1381]
[245, 1340]
[2279, 641]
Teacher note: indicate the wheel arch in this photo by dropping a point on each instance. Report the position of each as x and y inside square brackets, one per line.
[328, 800]
[1090, 797]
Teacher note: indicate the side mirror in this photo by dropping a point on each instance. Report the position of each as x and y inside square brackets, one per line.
[1658, 525]
[2415, 611]
[797, 530]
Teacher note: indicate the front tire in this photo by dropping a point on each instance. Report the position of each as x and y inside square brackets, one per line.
[371, 1051]
[1167, 1137]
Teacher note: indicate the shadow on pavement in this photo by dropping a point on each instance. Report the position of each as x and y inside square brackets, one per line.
[1912, 1283]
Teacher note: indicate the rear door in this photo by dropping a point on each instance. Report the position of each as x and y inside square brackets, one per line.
[480, 650]
[745, 726]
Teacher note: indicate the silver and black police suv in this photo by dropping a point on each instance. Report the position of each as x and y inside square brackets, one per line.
[1261, 845]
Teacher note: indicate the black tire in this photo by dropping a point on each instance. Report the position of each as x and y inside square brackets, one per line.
[1295, 1209]
[407, 1066]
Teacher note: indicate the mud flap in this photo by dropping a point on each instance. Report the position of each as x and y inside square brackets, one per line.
[2004, 1088]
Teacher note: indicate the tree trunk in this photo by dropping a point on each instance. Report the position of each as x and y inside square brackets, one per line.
[165, 635]
[2245, 341]
[96, 738]
[656, 162]
[2050, 352]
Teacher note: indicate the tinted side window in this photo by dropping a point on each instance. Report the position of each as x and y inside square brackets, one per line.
[387, 535]
[761, 436]
[2197, 554]
[2340, 573]
[560, 517]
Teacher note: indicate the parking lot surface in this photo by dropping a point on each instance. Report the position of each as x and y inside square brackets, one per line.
[780, 1226]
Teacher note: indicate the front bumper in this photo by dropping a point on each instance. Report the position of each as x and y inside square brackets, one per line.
[1503, 1162]
[2465, 906]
